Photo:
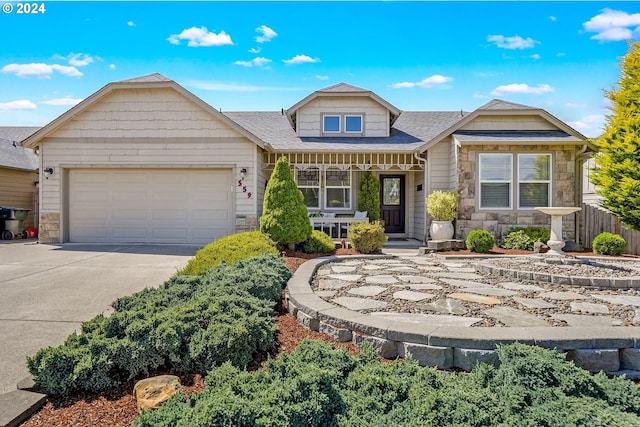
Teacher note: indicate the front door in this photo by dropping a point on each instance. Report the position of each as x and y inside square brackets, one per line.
[392, 201]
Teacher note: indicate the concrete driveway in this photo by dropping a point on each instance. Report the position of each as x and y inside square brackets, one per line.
[46, 291]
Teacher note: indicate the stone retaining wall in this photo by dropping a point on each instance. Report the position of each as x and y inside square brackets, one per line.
[610, 349]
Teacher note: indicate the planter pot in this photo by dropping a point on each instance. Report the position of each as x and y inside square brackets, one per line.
[441, 230]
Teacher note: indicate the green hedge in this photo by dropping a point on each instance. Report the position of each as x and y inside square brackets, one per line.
[318, 385]
[319, 242]
[189, 324]
[480, 241]
[609, 244]
[230, 249]
[367, 238]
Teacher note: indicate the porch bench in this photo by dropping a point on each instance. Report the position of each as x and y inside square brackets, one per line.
[336, 227]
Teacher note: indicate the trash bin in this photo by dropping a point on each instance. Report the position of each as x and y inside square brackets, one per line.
[13, 222]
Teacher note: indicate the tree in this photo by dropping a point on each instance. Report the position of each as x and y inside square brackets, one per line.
[617, 172]
[369, 196]
[284, 214]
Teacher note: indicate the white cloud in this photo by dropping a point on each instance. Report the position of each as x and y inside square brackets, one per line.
[112, 66]
[40, 70]
[319, 77]
[436, 79]
[479, 95]
[256, 62]
[301, 59]
[535, 56]
[515, 42]
[521, 88]
[267, 34]
[575, 105]
[591, 125]
[21, 104]
[255, 50]
[198, 37]
[553, 18]
[614, 25]
[63, 102]
[131, 24]
[67, 70]
[80, 59]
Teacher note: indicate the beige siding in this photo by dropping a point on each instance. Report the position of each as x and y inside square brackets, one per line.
[507, 122]
[144, 113]
[375, 116]
[18, 190]
[439, 167]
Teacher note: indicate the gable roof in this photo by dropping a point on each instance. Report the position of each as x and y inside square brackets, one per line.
[341, 89]
[150, 81]
[410, 131]
[501, 107]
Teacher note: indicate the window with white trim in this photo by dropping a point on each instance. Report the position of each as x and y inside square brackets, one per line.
[331, 124]
[496, 177]
[534, 180]
[337, 189]
[308, 181]
[353, 124]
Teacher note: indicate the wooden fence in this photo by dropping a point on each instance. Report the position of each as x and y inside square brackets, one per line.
[596, 220]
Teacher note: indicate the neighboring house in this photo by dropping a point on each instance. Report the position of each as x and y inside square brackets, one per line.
[145, 160]
[18, 172]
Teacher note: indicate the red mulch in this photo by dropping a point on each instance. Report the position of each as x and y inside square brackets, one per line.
[117, 407]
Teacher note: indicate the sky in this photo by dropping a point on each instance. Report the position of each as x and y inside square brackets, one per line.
[264, 56]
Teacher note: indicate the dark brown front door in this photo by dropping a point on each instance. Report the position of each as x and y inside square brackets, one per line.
[392, 201]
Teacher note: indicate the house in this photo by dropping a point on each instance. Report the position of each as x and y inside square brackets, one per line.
[145, 160]
[18, 172]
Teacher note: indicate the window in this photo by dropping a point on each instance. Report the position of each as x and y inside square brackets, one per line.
[331, 124]
[534, 180]
[309, 184]
[337, 189]
[495, 180]
[353, 124]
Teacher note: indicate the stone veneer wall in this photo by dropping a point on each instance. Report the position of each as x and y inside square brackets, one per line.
[246, 223]
[498, 222]
[49, 231]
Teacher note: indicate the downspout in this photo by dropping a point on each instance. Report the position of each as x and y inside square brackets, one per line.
[416, 155]
[577, 195]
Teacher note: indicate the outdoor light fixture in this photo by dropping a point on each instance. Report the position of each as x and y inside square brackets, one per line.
[48, 172]
[243, 172]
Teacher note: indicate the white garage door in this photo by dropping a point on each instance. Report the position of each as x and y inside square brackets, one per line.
[149, 206]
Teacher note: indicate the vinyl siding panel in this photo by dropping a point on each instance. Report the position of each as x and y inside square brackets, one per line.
[375, 116]
[18, 190]
[439, 159]
[419, 207]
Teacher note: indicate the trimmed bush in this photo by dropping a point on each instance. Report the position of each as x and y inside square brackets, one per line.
[367, 238]
[369, 195]
[442, 205]
[319, 242]
[480, 241]
[230, 249]
[189, 324]
[284, 215]
[609, 244]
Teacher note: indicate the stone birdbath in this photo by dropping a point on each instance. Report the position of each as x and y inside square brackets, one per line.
[555, 242]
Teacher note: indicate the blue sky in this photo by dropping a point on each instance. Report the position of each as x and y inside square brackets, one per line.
[246, 56]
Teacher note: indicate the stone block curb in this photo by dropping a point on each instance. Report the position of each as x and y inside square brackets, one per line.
[609, 349]
[18, 405]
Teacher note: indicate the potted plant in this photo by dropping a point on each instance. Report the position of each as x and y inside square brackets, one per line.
[442, 206]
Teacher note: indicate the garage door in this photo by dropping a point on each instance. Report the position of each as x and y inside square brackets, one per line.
[149, 206]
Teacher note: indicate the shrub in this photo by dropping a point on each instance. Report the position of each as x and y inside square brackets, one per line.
[442, 205]
[230, 249]
[609, 244]
[367, 238]
[369, 196]
[319, 242]
[284, 218]
[525, 237]
[190, 323]
[480, 241]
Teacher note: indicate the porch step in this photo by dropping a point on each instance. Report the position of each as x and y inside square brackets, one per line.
[443, 245]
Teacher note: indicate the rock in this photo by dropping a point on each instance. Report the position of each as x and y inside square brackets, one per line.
[152, 392]
[540, 248]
